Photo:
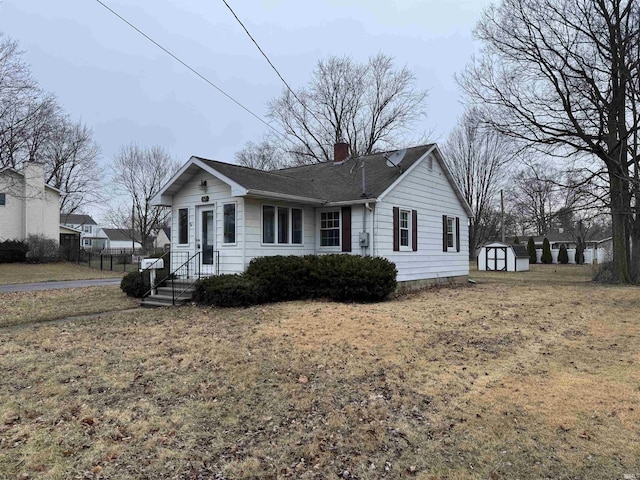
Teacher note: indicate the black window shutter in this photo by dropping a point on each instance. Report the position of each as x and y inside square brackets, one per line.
[414, 230]
[444, 233]
[457, 234]
[396, 229]
[346, 229]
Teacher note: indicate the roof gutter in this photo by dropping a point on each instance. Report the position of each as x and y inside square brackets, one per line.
[282, 196]
[361, 201]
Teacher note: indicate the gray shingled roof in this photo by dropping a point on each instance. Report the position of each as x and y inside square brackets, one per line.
[115, 234]
[329, 182]
[76, 219]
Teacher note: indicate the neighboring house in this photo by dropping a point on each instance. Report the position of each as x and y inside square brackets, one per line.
[401, 205]
[119, 240]
[597, 250]
[90, 233]
[28, 206]
[163, 239]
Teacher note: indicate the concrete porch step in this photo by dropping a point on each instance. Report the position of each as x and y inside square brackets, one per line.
[164, 296]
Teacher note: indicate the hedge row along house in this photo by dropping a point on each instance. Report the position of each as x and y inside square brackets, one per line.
[401, 205]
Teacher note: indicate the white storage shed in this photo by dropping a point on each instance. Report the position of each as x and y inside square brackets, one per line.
[503, 257]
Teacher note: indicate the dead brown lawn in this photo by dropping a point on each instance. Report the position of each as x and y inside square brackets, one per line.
[42, 305]
[46, 272]
[531, 376]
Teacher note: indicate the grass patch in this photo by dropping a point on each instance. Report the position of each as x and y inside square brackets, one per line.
[504, 379]
[11, 273]
[29, 307]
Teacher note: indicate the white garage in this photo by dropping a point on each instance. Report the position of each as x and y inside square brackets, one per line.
[503, 257]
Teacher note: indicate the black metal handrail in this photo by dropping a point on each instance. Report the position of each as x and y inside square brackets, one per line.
[196, 278]
[193, 270]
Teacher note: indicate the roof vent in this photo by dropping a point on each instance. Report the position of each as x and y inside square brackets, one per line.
[394, 158]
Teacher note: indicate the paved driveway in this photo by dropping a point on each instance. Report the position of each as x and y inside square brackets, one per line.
[30, 287]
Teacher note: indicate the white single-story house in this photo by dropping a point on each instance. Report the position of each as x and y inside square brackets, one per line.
[503, 257]
[402, 205]
[120, 240]
[28, 206]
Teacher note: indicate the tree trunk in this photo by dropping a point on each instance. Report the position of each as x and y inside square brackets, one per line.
[619, 218]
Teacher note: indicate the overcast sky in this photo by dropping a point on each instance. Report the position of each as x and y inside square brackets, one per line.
[126, 89]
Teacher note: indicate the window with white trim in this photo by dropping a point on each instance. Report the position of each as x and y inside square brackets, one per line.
[229, 223]
[405, 228]
[3, 199]
[281, 225]
[330, 228]
[451, 233]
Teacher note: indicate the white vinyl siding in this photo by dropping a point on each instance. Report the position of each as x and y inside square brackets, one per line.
[231, 257]
[429, 192]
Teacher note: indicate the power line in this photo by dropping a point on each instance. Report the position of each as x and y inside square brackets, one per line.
[193, 70]
[270, 63]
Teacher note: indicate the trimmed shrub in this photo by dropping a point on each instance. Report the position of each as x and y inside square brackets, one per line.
[531, 248]
[343, 278]
[546, 252]
[42, 249]
[13, 251]
[351, 278]
[563, 255]
[516, 240]
[579, 256]
[135, 284]
[284, 277]
[228, 291]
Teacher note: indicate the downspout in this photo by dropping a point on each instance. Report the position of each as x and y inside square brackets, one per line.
[363, 249]
[371, 236]
[244, 232]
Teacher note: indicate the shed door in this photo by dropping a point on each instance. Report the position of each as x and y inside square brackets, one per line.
[497, 259]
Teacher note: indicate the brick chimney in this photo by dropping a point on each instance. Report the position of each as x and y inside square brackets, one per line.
[340, 152]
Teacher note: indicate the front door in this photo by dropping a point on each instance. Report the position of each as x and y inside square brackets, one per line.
[205, 239]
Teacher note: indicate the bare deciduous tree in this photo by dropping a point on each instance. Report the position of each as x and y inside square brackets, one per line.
[262, 156]
[33, 127]
[371, 106]
[535, 197]
[140, 173]
[476, 155]
[561, 74]
[71, 157]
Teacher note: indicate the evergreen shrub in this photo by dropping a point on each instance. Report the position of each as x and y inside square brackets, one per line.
[546, 252]
[228, 291]
[343, 278]
[135, 284]
[563, 255]
[531, 248]
[13, 251]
